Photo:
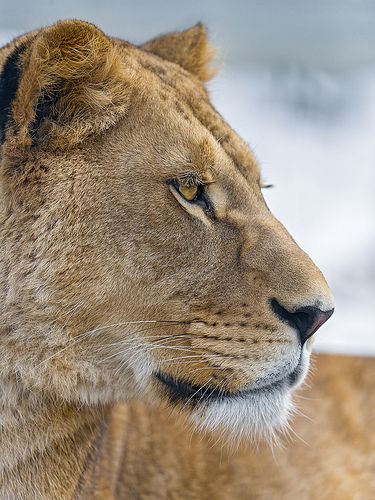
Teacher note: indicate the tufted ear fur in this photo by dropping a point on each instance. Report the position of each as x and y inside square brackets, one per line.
[190, 49]
[61, 84]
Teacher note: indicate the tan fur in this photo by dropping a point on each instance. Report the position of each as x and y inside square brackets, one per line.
[190, 49]
[109, 278]
[329, 454]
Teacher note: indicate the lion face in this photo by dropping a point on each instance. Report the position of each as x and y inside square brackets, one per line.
[135, 231]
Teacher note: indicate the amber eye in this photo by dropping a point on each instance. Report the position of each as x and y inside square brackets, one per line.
[188, 192]
[191, 195]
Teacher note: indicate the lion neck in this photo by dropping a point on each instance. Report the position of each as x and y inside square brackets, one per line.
[45, 445]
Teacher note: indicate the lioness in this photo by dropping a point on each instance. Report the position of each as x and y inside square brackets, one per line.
[138, 260]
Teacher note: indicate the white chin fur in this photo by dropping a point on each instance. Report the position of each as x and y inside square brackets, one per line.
[261, 415]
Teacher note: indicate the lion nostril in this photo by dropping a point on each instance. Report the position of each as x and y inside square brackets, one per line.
[306, 320]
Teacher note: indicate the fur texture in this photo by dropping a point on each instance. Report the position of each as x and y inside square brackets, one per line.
[110, 280]
[328, 453]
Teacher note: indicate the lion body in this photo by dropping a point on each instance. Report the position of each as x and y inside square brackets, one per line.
[140, 451]
[139, 262]
[153, 454]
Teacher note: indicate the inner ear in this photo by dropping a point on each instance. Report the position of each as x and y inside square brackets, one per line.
[9, 81]
[44, 110]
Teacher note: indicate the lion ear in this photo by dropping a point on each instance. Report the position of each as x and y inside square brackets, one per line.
[190, 49]
[64, 83]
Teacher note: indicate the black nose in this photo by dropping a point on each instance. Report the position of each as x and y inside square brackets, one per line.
[306, 320]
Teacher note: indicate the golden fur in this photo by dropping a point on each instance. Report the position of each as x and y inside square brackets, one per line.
[112, 284]
[328, 455]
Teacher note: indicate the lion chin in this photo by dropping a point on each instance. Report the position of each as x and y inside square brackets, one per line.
[261, 415]
[257, 413]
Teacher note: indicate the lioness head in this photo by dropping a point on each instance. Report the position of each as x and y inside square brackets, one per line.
[138, 256]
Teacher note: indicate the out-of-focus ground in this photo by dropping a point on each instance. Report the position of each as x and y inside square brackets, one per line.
[299, 85]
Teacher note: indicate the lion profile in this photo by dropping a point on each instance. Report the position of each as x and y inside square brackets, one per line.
[139, 259]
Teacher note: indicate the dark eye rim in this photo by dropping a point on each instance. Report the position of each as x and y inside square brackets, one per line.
[266, 185]
[201, 199]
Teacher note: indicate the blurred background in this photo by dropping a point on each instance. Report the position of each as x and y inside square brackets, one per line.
[298, 83]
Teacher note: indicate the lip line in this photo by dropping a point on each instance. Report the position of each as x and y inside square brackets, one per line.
[181, 390]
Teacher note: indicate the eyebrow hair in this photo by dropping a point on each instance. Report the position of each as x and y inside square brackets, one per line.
[191, 178]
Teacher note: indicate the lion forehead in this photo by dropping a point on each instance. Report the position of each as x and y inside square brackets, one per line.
[187, 99]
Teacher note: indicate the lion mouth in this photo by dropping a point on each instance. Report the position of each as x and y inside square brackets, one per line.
[183, 391]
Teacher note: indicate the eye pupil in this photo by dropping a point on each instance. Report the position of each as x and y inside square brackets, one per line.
[188, 192]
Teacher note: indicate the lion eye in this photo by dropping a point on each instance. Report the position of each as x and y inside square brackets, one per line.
[192, 196]
[188, 192]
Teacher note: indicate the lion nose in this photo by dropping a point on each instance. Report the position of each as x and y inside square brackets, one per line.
[306, 320]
